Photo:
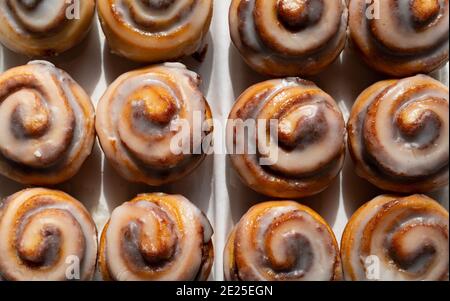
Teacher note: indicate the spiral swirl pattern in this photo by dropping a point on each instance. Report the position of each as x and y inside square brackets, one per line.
[401, 38]
[289, 37]
[137, 118]
[156, 237]
[305, 151]
[46, 122]
[408, 236]
[398, 134]
[155, 30]
[40, 230]
[279, 241]
[44, 27]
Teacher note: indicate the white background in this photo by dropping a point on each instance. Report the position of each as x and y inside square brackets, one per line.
[214, 187]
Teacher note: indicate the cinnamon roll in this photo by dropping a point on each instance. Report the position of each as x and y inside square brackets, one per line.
[289, 37]
[46, 122]
[397, 238]
[145, 115]
[401, 38]
[286, 138]
[156, 237]
[155, 30]
[399, 134]
[282, 240]
[44, 27]
[46, 235]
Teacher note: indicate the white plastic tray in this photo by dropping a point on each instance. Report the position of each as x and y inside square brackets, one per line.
[214, 187]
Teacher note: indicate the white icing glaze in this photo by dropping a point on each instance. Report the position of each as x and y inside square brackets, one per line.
[399, 132]
[309, 150]
[23, 231]
[45, 27]
[125, 137]
[393, 43]
[272, 48]
[281, 241]
[417, 224]
[148, 216]
[47, 124]
[403, 155]
[405, 36]
[155, 31]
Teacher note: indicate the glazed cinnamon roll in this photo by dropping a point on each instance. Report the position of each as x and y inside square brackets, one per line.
[156, 237]
[46, 235]
[46, 122]
[279, 241]
[289, 37]
[155, 30]
[399, 134]
[399, 37]
[397, 238]
[44, 27]
[286, 138]
[145, 115]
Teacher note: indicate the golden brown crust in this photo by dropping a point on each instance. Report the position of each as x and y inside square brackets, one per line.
[398, 134]
[304, 151]
[282, 240]
[147, 31]
[102, 265]
[288, 38]
[136, 130]
[47, 123]
[156, 237]
[400, 38]
[407, 236]
[43, 232]
[45, 28]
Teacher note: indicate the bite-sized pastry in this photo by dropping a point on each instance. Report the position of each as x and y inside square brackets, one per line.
[286, 138]
[46, 235]
[156, 237]
[46, 124]
[394, 238]
[282, 241]
[44, 27]
[145, 115]
[401, 38]
[155, 30]
[399, 134]
[289, 37]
